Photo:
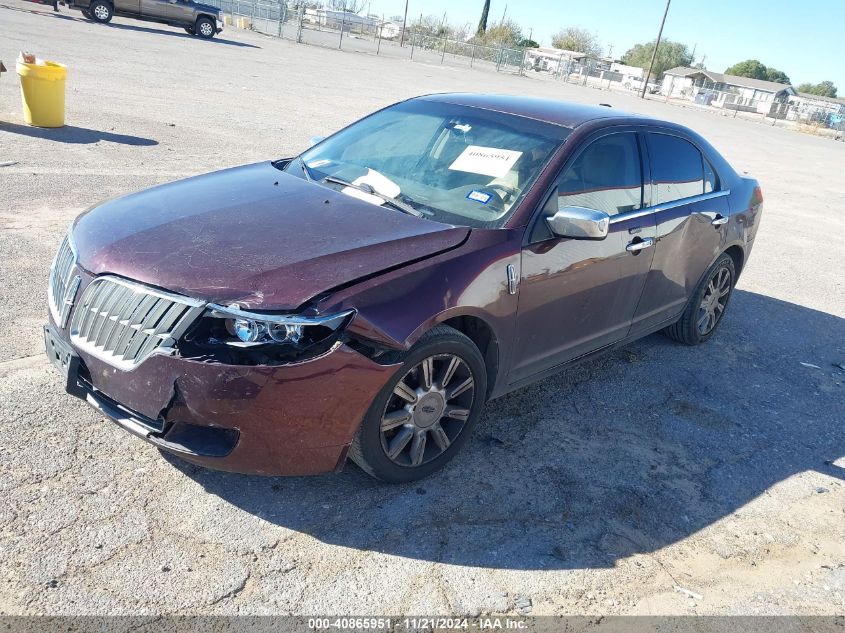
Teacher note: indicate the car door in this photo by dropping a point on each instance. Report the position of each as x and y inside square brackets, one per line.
[155, 10]
[127, 7]
[181, 12]
[690, 212]
[576, 295]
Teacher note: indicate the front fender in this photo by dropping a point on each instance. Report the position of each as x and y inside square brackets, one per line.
[395, 309]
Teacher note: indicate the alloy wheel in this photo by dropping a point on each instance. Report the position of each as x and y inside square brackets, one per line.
[427, 410]
[101, 12]
[205, 29]
[713, 303]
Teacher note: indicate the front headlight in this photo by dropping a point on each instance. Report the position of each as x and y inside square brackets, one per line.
[250, 329]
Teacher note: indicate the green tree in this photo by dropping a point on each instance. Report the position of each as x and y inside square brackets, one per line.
[526, 43]
[823, 89]
[507, 33]
[749, 68]
[669, 55]
[482, 23]
[431, 25]
[758, 70]
[578, 40]
[778, 76]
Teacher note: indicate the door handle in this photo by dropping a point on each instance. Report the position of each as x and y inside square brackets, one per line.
[716, 219]
[637, 245]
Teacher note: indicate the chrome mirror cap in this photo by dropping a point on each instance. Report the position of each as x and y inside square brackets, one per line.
[579, 223]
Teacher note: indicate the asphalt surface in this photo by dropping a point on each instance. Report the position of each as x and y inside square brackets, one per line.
[717, 469]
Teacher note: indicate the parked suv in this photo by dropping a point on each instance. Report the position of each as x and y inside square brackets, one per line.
[196, 18]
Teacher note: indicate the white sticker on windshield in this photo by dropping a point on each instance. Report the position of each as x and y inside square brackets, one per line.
[489, 161]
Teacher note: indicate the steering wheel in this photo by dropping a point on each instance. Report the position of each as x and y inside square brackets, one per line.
[506, 189]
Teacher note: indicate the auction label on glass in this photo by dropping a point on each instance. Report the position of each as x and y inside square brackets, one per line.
[489, 161]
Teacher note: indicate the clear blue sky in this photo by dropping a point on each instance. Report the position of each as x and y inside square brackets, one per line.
[805, 39]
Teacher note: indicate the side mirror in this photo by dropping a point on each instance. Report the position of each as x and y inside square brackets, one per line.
[315, 139]
[579, 223]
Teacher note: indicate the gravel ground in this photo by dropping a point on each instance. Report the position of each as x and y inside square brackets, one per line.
[603, 490]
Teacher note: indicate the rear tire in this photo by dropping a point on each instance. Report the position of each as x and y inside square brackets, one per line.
[86, 13]
[707, 305]
[101, 11]
[407, 437]
[205, 28]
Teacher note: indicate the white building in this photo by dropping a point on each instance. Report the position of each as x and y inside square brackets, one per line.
[551, 59]
[725, 91]
[634, 72]
[352, 22]
[815, 108]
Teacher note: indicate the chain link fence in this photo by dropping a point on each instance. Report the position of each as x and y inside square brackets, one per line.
[351, 32]
[367, 34]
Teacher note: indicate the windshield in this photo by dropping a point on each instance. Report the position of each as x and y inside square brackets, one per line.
[449, 163]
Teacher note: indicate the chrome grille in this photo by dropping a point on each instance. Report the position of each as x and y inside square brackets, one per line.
[63, 284]
[122, 322]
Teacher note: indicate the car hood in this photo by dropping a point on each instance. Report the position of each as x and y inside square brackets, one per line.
[252, 235]
[206, 7]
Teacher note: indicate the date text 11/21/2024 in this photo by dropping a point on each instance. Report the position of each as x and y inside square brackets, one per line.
[417, 623]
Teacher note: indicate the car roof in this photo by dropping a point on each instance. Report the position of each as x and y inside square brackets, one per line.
[564, 113]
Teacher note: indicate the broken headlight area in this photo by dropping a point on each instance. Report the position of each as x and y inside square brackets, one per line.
[231, 335]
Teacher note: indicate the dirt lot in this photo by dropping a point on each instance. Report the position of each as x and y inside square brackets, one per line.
[719, 469]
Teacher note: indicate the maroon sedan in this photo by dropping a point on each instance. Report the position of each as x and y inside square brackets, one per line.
[366, 298]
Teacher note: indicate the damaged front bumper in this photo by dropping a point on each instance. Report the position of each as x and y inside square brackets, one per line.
[292, 419]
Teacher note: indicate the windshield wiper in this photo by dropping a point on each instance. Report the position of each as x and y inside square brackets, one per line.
[393, 202]
[305, 170]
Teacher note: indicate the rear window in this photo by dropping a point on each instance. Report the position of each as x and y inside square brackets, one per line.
[677, 168]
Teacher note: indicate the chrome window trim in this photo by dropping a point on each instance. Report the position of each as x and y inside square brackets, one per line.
[665, 206]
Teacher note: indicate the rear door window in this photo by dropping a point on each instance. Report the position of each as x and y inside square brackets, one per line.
[677, 168]
[606, 176]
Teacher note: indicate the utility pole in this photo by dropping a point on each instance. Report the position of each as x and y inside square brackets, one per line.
[654, 53]
[404, 24]
[504, 13]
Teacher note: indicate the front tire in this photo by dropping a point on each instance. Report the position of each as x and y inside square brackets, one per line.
[425, 413]
[707, 305]
[205, 28]
[101, 11]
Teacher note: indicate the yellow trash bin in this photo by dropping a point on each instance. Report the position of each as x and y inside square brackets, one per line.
[43, 93]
